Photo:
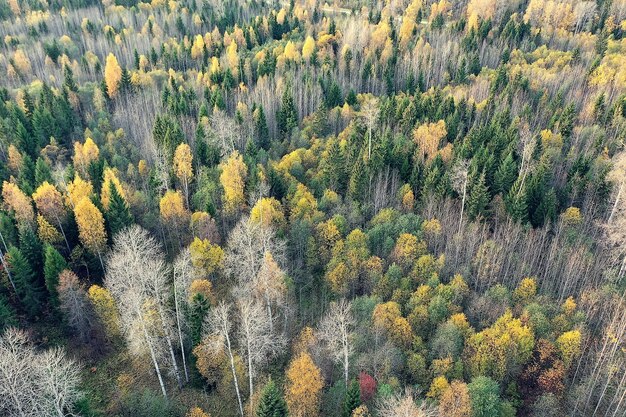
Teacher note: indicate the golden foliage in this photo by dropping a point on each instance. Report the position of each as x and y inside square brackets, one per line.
[172, 208]
[203, 287]
[47, 233]
[90, 225]
[304, 386]
[105, 193]
[105, 308]
[455, 401]
[77, 190]
[49, 202]
[85, 154]
[197, 412]
[206, 257]
[16, 201]
[428, 137]
[112, 75]
[233, 178]
[268, 212]
[569, 346]
[182, 162]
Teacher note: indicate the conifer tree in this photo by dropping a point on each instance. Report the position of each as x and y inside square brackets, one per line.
[260, 127]
[505, 176]
[478, 198]
[353, 399]
[28, 290]
[272, 403]
[287, 116]
[42, 172]
[54, 263]
[119, 215]
[7, 315]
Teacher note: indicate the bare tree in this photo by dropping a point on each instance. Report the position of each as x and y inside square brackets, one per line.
[255, 337]
[75, 305]
[369, 112]
[183, 276]
[336, 330]
[219, 323]
[404, 405]
[34, 384]
[246, 248]
[270, 287]
[137, 278]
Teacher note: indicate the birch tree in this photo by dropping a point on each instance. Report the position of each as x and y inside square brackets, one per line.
[336, 331]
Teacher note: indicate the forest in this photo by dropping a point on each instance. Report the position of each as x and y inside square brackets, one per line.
[348, 208]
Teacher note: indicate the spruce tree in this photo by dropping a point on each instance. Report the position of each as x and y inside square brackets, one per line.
[478, 198]
[272, 403]
[198, 309]
[260, 126]
[506, 174]
[7, 315]
[54, 263]
[353, 399]
[119, 215]
[287, 116]
[42, 172]
[31, 247]
[29, 292]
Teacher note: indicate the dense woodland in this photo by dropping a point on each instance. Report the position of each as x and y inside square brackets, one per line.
[383, 208]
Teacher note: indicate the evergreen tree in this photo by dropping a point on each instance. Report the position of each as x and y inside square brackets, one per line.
[506, 174]
[125, 83]
[198, 310]
[31, 247]
[26, 175]
[478, 198]
[54, 263]
[272, 403]
[287, 116]
[7, 315]
[119, 215]
[28, 289]
[516, 203]
[260, 127]
[42, 172]
[353, 399]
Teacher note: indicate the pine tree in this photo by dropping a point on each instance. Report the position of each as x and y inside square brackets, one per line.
[126, 85]
[28, 290]
[478, 198]
[54, 263]
[272, 403]
[353, 399]
[516, 203]
[119, 215]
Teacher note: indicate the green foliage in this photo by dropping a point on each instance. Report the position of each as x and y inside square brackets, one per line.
[54, 263]
[29, 291]
[271, 403]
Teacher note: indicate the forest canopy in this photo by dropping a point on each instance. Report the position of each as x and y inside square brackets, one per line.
[350, 208]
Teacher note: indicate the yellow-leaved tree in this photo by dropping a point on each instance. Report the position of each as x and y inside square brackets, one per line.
[183, 167]
[268, 212]
[16, 201]
[105, 308]
[304, 386]
[49, 202]
[91, 227]
[308, 48]
[428, 137]
[112, 75]
[233, 179]
[77, 190]
[85, 154]
[105, 193]
[205, 257]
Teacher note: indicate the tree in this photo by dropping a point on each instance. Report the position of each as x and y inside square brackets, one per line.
[54, 263]
[118, 215]
[271, 403]
[269, 287]
[478, 198]
[49, 203]
[84, 155]
[370, 111]
[484, 394]
[35, 383]
[455, 401]
[287, 116]
[27, 288]
[172, 209]
[268, 212]
[219, 324]
[182, 280]
[17, 202]
[352, 400]
[427, 137]
[206, 257]
[110, 180]
[75, 305]
[336, 331]
[77, 190]
[183, 167]
[91, 227]
[112, 75]
[255, 337]
[261, 129]
[403, 405]
[233, 178]
[304, 387]
[137, 277]
[105, 309]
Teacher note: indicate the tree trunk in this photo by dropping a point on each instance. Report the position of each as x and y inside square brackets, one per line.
[180, 334]
[232, 368]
